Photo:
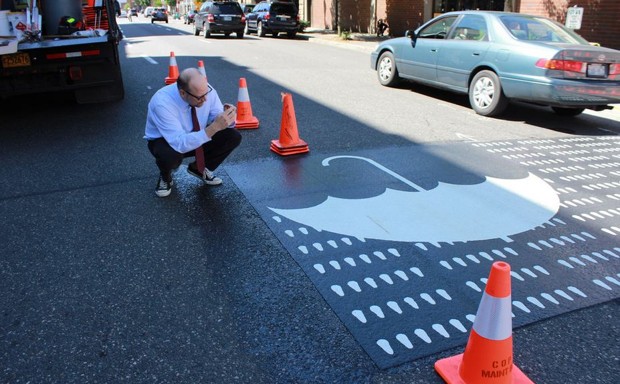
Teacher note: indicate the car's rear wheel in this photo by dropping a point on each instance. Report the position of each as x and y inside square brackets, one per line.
[386, 70]
[485, 94]
[259, 30]
[291, 35]
[207, 33]
[239, 34]
[567, 111]
[226, 34]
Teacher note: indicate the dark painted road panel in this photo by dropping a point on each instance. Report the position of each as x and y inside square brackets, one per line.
[406, 299]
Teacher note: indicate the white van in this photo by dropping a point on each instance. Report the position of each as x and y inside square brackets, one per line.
[148, 11]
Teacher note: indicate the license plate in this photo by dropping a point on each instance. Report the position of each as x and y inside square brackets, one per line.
[227, 18]
[596, 70]
[16, 60]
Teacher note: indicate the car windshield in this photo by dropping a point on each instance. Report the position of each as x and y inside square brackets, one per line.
[229, 9]
[540, 29]
[283, 9]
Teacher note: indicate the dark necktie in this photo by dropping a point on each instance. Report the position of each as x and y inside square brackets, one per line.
[200, 155]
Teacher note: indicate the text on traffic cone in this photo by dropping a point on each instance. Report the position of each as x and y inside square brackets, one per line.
[245, 119]
[289, 142]
[173, 70]
[488, 357]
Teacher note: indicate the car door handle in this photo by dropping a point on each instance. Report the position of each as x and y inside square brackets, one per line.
[476, 53]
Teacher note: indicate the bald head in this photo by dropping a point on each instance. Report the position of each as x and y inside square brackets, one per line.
[193, 86]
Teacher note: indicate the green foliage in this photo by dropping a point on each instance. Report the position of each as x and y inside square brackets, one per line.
[345, 35]
[303, 25]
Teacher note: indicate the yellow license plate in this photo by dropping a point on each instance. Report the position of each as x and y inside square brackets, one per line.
[16, 60]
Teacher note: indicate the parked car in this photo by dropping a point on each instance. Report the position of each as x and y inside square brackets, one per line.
[159, 14]
[495, 57]
[133, 12]
[273, 17]
[247, 8]
[148, 11]
[188, 18]
[220, 17]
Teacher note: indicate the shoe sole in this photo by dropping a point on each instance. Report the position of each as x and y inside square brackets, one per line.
[163, 193]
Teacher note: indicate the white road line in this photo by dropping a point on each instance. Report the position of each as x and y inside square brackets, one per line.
[149, 59]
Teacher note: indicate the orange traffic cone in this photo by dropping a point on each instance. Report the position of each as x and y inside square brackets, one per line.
[173, 70]
[245, 119]
[289, 143]
[201, 68]
[488, 357]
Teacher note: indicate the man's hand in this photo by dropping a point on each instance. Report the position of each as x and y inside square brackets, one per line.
[223, 120]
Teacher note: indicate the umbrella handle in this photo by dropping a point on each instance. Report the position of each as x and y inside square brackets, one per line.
[326, 161]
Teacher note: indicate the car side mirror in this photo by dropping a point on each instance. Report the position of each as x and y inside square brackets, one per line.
[411, 34]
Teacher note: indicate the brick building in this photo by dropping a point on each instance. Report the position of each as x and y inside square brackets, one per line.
[600, 19]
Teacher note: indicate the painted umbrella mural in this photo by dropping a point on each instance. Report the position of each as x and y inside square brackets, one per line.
[494, 208]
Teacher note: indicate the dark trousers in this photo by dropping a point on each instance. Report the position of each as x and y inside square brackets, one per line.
[216, 150]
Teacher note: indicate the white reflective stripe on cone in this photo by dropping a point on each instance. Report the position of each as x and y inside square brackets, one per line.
[494, 318]
[243, 95]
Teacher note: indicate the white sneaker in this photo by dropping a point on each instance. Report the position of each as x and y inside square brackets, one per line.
[207, 176]
[163, 188]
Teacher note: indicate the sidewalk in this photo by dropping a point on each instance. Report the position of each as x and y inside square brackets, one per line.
[364, 42]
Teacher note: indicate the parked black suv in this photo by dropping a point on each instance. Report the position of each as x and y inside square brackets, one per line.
[220, 17]
[273, 17]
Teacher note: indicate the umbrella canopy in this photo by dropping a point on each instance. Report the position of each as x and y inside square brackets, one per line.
[495, 208]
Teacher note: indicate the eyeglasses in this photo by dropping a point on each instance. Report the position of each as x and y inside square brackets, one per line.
[198, 97]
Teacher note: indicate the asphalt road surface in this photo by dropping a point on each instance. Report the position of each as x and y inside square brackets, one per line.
[103, 282]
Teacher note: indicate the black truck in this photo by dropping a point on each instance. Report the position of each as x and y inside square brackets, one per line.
[76, 50]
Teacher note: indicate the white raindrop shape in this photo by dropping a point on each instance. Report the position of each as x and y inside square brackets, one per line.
[377, 311]
[303, 230]
[541, 269]
[359, 315]
[422, 335]
[473, 285]
[443, 294]
[445, 264]
[370, 281]
[552, 299]
[346, 240]
[319, 267]
[385, 345]
[350, 261]
[460, 261]
[471, 317]
[441, 330]
[303, 249]
[386, 278]
[566, 263]
[404, 340]
[354, 286]
[516, 276]
[318, 246]
[577, 291]
[402, 275]
[332, 243]
[521, 306]
[565, 295]
[289, 233]
[577, 261]
[394, 252]
[380, 255]
[417, 271]
[394, 306]
[458, 325]
[428, 298]
[338, 290]
[365, 258]
[535, 301]
[601, 284]
[612, 280]
[277, 219]
[473, 258]
[335, 264]
[411, 302]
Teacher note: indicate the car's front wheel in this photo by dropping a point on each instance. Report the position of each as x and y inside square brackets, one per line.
[207, 33]
[246, 30]
[569, 112]
[485, 94]
[259, 30]
[196, 31]
[386, 70]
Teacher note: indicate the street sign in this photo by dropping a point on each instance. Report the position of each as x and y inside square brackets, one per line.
[574, 16]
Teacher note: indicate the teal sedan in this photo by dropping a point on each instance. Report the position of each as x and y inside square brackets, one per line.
[496, 57]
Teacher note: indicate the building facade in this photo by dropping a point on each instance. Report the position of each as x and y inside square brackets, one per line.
[599, 24]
